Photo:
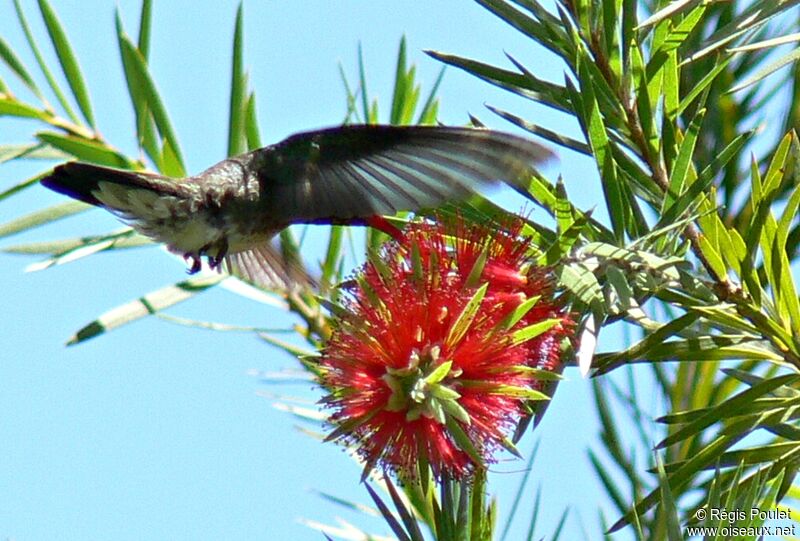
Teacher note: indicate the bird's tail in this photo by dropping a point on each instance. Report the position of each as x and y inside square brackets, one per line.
[82, 181]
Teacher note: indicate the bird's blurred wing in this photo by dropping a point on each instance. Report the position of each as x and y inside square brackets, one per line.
[266, 267]
[351, 172]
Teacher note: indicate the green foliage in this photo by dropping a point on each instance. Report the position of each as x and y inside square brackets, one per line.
[700, 250]
[700, 183]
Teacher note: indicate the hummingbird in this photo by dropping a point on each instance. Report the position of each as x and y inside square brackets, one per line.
[346, 175]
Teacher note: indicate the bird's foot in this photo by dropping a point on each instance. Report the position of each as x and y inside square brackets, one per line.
[197, 263]
[214, 260]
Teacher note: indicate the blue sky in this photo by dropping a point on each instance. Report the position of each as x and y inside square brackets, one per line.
[159, 431]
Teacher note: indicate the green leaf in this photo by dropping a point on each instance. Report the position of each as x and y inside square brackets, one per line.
[648, 93]
[89, 246]
[475, 273]
[705, 456]
[141, 78]
[679, 176]
[463, 441]
[429, 111]
[330, 265]
[171, 164]
[27, 183]
[546, 31]
[145, 305]
[518, 313]
[768, 70]
[698, 188]
[362, 78]
[706, 348]
[462, 323]
[251, 124]
[13, 62]
[668, 505]
[238, 98]
[33, 151]
[728, 409]
[288, 347]
[406, 514]
[68, 60]
[704, 83]
[526, 86]
[679, 32]
[12, 107]
[43, 216]
[673, 8]
[582, 283]
[86, 149]
[42, 64]
[595, 130]
[532, 331]
[543, 132]
[747, 21]
[401, 90]
[145, 128]
[653, 340]
[712, 255]
[145, 25]
[789, 291]
[671, 84]
[388, 516]
[62, 246]
[439, 373]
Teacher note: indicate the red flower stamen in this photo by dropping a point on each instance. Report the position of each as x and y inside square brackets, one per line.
[428, 358]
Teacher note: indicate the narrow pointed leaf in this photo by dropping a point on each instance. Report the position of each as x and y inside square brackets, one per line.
[145, 128]
[12, 107]
[40, 217]
[388, 516]
[400, 85]
[537, 90]
[88, 246]
[14, 63]
[681, 167]
[141, 77]
[145, 305]
[27, 183]
[60, 246]
[462, 323]
[32, 42]
[673, 8]
[68, 60]
[145, 25]
[768, 70]
[238, 97]
[532, 331]
[251, 124]
[751, 18]
[86, 150]
[553, 137]
[429, 110]
[406, 514]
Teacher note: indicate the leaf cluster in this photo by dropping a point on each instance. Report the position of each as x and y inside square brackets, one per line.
[699, 175]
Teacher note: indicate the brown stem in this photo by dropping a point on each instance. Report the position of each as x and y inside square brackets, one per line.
[657, 166]
[313, 317]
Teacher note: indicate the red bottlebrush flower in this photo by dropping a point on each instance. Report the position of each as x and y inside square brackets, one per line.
[431, 359]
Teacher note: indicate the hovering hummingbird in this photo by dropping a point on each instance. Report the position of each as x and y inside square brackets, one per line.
[349, 175]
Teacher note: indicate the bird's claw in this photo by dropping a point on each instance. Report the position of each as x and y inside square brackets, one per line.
[197, 263]
[214, 261]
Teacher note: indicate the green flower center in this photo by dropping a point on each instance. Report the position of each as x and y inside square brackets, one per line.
[424, 387]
